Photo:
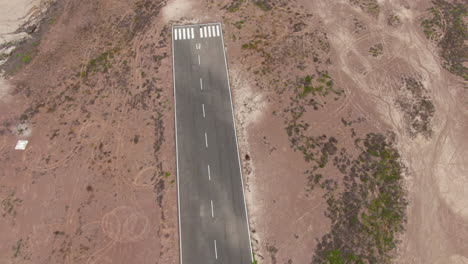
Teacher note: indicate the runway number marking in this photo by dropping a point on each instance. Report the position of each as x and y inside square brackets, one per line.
[216, 250]
[198, 46]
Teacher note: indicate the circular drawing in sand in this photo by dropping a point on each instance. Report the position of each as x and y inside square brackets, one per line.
[145, 178]
[91, 131]
[125, 224]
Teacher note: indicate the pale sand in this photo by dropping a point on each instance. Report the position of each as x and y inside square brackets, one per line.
[177, 9]
[13, 15]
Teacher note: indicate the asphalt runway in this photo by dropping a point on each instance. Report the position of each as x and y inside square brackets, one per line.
[213, 224]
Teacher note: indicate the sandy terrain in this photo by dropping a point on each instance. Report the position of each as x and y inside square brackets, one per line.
[92, 92]
[436, 182]
[14, 15]
[96, 183]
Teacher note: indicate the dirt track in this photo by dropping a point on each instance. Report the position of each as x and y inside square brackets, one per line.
[437, 223]
[96, 183]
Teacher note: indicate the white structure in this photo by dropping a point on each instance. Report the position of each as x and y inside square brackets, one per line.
[21, 144]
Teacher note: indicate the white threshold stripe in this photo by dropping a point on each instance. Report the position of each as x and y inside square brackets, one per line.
[201, 84]
[183, 33]
[203, 107]
[206, 140]
[180, 34]
[201, 32]
[193, 34]
[209, 173]
[204, 32]
[175, 33]
[216, 250]
[209, 31]
[212, 211]
[217, 30]
[214, 32]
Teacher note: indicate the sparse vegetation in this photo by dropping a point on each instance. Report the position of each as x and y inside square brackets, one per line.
[371, 210]
[376, 50]
[393, 20]
[358, 25]
[447, 24]
[234, 6]
[9, 205]
[369, 6]
[24, 57]
[322, 86]
[251, 45]
[239, 24]
[101, 63]
[264, 5]
[416, 106]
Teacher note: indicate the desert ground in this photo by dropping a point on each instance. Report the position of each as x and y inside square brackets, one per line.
[351, 117]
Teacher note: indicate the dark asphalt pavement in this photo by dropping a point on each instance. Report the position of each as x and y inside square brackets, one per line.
[212, 214]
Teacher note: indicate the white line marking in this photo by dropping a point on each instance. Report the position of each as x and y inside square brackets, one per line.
[204, 32]
[209, 173]
[199, 59]
[177, 156]
[216, 250]
[209, 31]
[180, 33]
[201, 84]
[183, 33]
[193, 33]
[203, 107]
[206, 140]
[201, 32]
[217, 30]
[237, 147]
[212, 210]
[175, 33]
[214, 32]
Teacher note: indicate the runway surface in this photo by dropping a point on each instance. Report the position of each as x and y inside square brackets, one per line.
[213, 224]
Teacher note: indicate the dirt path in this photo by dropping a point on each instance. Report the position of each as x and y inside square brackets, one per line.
[438, 214]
